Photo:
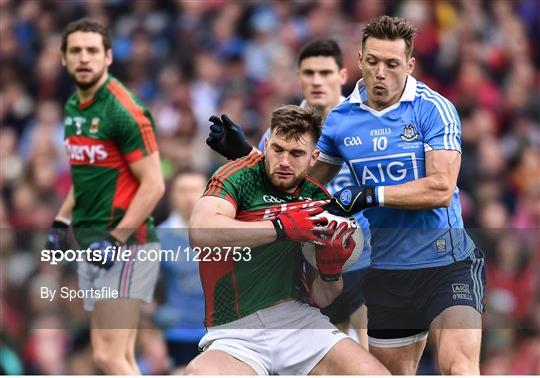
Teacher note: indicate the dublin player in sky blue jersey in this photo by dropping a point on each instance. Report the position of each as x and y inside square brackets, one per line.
[402, 142]
[321, 75]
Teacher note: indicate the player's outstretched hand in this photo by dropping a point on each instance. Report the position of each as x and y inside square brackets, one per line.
[301, 225]
[351, 200]
[337, 249]
[103, 252]
[227, 138]
[57, 239]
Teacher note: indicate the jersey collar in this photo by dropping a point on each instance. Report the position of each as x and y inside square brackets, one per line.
[359, 91]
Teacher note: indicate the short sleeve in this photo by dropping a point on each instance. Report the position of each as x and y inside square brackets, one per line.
[136, 136]
[134, 130]
[326, 144]
[440, 124]
[223, 186]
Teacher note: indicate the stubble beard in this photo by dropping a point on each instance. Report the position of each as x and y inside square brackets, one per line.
[85, 85]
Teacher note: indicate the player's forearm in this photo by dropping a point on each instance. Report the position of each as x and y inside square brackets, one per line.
[426, 193]
[323, 293]
[216, 230]
[66, 210]
[324, 172]
[142, 205]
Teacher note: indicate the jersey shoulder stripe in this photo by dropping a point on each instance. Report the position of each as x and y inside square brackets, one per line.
[446, 112]
[215, 187]
[137, 112]
[247, 161]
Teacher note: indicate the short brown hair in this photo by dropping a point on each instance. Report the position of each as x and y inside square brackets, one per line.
[391, 28]
[86, 25]
[291, 121]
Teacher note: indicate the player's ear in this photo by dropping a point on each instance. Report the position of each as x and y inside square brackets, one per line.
[63, 58]
[108, 57]
[266, 144]
[360, 60]
[343, 76]
[410, 65]
[314, 157]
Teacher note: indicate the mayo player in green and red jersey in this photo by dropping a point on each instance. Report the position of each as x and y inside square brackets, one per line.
[259, 316]
[117, 181]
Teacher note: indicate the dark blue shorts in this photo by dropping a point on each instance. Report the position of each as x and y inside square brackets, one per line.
[403, 303]
[349, 300]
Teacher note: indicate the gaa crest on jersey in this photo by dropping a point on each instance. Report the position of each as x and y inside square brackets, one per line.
[409, 133]
[94, 125]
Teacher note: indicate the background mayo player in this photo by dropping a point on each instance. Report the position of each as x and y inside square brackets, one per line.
[116, 175]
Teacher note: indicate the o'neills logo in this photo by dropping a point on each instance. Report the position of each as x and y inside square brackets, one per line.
[86, 153]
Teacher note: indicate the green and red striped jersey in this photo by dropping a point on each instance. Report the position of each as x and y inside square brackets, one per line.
[102, 137]
[234, 289]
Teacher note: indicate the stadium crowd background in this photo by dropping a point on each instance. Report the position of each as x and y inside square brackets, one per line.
[187, 60]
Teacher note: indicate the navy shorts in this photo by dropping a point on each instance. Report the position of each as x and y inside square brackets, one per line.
[349, 300]
[403, 303]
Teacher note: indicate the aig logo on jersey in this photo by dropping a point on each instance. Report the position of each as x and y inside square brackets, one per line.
[352, 141]
[409, 133]
[394, 168]
[461, 291]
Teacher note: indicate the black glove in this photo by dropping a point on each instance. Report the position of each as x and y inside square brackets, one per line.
[227, 138]
[104, 251]
[58, 236]
[351, 200]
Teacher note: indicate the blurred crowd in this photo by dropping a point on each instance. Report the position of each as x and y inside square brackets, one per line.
[187, 60]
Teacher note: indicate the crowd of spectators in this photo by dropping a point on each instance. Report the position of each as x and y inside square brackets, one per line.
[187, 60]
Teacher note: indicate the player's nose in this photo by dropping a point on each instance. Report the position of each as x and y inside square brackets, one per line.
[84, 57]
[381, 74]
[284, 161]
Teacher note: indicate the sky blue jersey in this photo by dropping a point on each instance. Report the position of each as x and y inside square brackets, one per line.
[388, 147]
[343, 179]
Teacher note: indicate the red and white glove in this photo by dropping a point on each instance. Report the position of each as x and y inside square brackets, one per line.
[299, 225]
[337, 249]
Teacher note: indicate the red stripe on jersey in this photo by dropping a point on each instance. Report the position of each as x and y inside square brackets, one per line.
[145, 126]
[126, 187]
[214, 185]
[311, 179]
[83, 150]
[248, 161]
[134, 156]
[231, 168]
[211, 272]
